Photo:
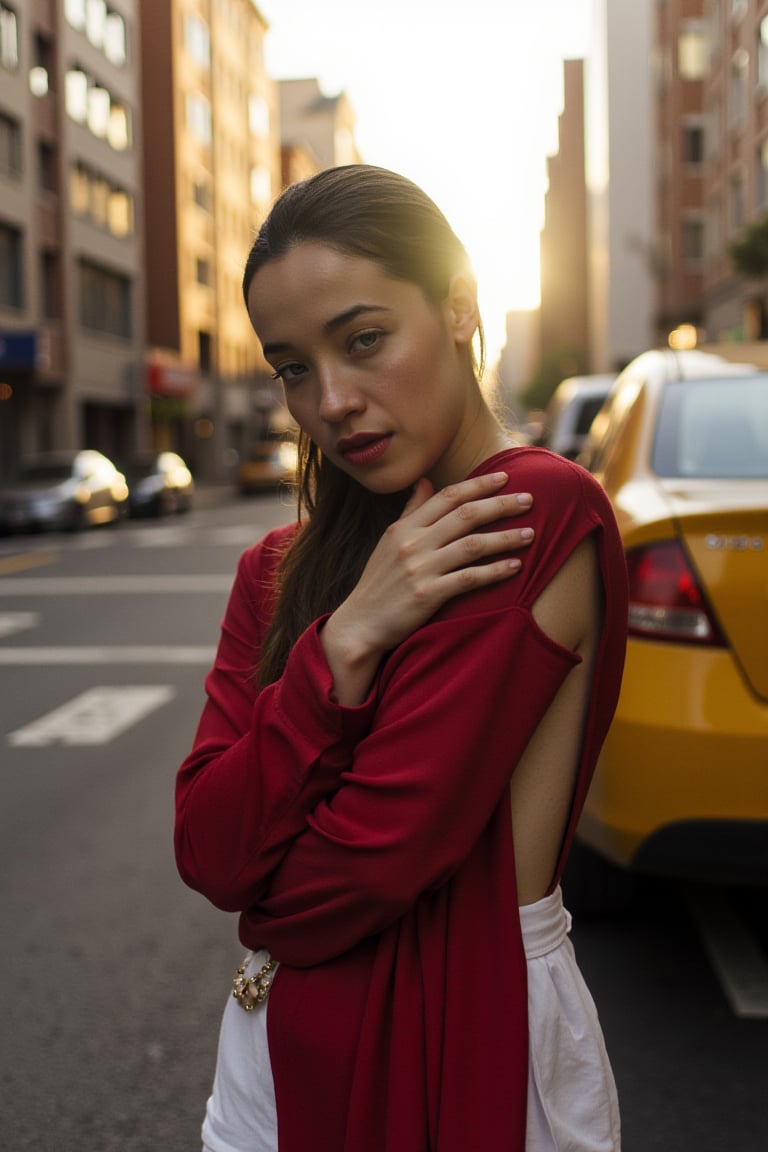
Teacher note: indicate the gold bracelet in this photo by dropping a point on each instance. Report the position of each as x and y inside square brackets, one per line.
[250, 991]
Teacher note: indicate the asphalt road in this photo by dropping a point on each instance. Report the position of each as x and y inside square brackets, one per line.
[113, 975]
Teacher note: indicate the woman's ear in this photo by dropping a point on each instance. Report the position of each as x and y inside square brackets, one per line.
[461, 308]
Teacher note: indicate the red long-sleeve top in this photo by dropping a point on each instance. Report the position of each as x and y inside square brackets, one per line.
[370, 848]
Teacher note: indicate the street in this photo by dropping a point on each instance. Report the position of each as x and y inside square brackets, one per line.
[114, 975]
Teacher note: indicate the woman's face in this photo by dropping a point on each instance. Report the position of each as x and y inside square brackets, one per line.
[373, 373]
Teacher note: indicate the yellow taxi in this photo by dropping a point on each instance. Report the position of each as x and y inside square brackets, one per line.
[681, 447]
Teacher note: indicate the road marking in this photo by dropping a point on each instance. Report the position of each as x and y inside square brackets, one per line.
[740, 964]
[26, 560]
[113, 585]
[95, 717]
[168, 536]
[236, 535]
[94, 654]
[11, 622]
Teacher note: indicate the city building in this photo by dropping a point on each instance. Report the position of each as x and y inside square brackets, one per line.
[598, 243]
[678, 255]
[211, 171]
[564, 309]
[735, 113]
[620, 174]
[71, 243]
[316, 131]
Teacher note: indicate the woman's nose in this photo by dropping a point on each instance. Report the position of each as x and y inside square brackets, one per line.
[338, 397]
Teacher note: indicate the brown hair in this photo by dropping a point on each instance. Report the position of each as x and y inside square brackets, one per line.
[377, 214]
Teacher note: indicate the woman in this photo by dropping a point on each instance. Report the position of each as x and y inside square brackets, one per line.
[402, 721]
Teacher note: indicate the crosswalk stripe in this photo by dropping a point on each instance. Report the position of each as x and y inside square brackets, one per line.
[94, 717]
[113, 585]
[115, 654]
[11, 622]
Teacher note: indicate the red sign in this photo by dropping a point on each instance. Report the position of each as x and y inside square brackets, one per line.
[170, 378]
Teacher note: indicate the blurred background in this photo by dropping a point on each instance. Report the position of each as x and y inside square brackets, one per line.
[606, 164]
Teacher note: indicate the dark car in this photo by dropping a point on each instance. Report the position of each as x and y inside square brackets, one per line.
[65, 491]
[159, 485]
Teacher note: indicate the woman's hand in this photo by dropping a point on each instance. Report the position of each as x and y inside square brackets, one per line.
[432, 553]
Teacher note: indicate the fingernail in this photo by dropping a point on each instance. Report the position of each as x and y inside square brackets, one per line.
[524, 498]
[499, 477]
[526, 533]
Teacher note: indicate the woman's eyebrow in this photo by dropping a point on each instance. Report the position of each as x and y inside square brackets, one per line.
[329, 326]
[352, 314]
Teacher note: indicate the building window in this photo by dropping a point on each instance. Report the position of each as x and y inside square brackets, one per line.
[11, 295]
[100, 201]
[105, 301]
[95, 21]
[50, 286]
[120, 213]
[89, 104]
[47, 174]
[261, 186]
[43, 63]
[9, 38]
[199, 117]
[692, 51]
[258, 116]
[98, 111]
[202, 271]
[103, 27]
[198, 41]
[10, 146]
[114, 39]
[738, 89]
[74, 10]
[762, 53]
[204, 352]
[693, 143]
[201, 194]
[693, 239]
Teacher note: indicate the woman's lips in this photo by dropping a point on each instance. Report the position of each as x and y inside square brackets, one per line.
[364, 448]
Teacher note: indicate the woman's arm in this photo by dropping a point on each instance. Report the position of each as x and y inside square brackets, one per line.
[260, 760]
[261, 763]
[459, 702]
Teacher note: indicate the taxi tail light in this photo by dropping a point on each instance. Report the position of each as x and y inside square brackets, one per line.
[665, 600]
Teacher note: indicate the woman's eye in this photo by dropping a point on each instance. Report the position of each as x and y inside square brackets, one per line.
[287, 372]
[366, 340]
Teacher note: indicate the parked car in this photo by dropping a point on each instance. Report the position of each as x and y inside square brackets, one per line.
[681, 787]
[269, 463]
[64, 490]
[569, 414]
[158, 485]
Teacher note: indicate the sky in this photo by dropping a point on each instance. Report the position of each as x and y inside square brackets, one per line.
[462, 97]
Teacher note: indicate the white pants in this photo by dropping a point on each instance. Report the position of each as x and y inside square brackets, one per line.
[572, 1103]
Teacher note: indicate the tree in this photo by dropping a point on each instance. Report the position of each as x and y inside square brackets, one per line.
[750, 253]
[554, 367]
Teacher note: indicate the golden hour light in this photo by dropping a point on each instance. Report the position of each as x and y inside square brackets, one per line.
[463, 100]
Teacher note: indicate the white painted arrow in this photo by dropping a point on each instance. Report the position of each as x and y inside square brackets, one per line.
[95, 717]
[11, 622]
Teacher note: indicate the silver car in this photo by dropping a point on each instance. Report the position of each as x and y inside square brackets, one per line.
[64, 491]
